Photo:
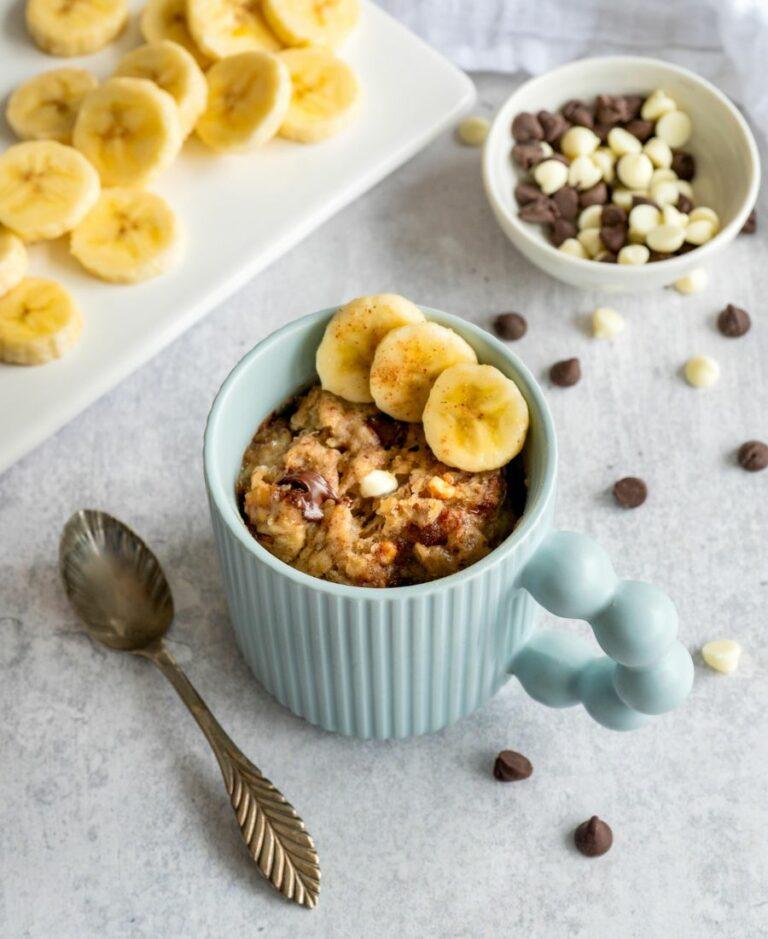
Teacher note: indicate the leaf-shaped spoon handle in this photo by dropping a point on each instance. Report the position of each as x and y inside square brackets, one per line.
[270, 826]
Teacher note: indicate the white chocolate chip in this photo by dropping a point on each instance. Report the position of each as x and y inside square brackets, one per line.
[722, 655]
[635, 170]
[644, 218]
[377, 483]
[606, 256]
[674, 128]
[545, 148]
[673, 216]
[622, 198]
[573, 247]
[605, 158]
[665, 238]
[583, 173]
[663, 173]
[684, 188]
[579, 141]
[699, 231]
[607, 323]
[551, 175]
[664, 193]
[590, 241]
[621, 142]
[657, 104]
[634, 254]
[702, 371]
[473, 130]
[705, 213]
[659, 152]
[693, 282]
[590, 217]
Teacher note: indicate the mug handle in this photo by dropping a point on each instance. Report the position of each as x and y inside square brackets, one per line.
[645, 671]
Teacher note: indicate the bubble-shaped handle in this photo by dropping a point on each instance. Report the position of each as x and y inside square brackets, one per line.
[645, 670]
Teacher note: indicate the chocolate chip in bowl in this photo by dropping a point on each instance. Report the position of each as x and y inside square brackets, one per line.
[401, 466]
[672, 142]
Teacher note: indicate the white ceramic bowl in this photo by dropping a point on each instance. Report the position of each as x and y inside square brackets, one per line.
[727, 164]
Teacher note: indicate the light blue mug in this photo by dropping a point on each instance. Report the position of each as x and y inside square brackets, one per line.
[398, 661]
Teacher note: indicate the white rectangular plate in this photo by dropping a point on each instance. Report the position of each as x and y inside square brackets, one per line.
[240, 212]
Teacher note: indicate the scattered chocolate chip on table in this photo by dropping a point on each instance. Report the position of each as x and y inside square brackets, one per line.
[511, 326]
[630, 492]
[565, 373]
[593, 837]
[733, 321]
[750, 226]
[753, 456]
[511, 766]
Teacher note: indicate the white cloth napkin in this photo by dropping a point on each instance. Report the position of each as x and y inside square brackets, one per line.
[724, 40]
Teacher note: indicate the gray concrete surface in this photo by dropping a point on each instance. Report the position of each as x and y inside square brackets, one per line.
[113, 821]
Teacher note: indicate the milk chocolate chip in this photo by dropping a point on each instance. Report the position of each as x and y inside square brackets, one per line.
[753, 456]
[553, 125]
[511, 766]
[630, 492]
[565, 373]
[510, 326]
[527, 155]
[750, 226]
[526, 127]
[684, 164]
[593, 837]
[733, 321]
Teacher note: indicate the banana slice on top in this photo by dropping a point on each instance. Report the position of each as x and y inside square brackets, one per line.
[129, 129]
[475, 419]
[39, 321]
[312, 22]
[14, 260]
[325, 94]
[45, 106]
[46, 188]
[167, 19]
[407, 362]
[248, 99]
[345, 355]
[173, 69]
[75, 27]
[227, 27]
[130, 235]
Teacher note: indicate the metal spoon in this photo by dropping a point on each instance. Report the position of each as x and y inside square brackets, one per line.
[118, 589]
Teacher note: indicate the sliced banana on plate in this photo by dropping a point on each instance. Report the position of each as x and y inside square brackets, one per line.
[248, 99]
[173, 69]
[129, 129]
[75, 27]
[39, 321]
[349, 343]
[130, 235]
[312, 22]
[46, 188]
[167, 19]
[225, 27]
[326, 93]
[14, 260]
[407, 362]
[475, 418]
[45, 106]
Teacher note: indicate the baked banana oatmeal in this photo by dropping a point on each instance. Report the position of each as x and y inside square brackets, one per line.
[401, 467]
[308, 493]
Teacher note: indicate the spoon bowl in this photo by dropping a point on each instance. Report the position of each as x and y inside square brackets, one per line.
[114, 582]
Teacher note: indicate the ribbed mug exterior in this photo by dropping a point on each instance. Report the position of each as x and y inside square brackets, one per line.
[370, 662]
[380, 667]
